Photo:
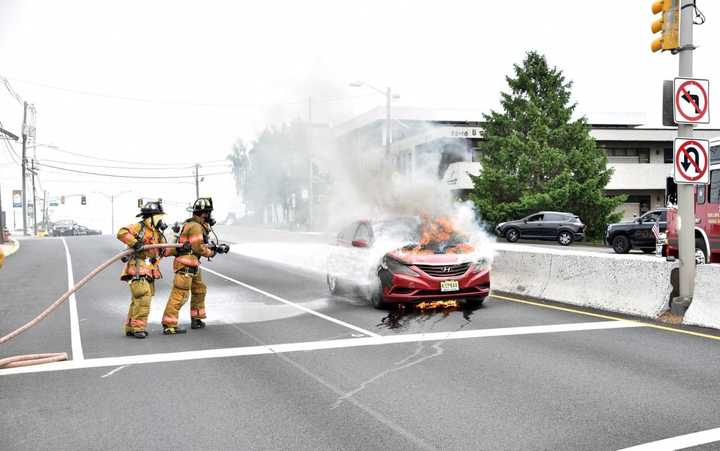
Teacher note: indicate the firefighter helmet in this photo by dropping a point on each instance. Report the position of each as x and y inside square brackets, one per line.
[203, 205]
[151, 209]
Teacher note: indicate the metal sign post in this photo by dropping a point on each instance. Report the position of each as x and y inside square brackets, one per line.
[686, 201]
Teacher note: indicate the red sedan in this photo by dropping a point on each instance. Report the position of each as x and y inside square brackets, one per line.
[407, 260]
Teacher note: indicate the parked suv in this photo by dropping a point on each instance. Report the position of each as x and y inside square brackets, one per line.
[637, 234]
[546, 225]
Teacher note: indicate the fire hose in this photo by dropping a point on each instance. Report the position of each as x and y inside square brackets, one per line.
[36, 359]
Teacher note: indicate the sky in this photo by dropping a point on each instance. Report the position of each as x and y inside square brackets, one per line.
[177, 82]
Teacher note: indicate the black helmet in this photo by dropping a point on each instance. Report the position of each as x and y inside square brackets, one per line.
[203, 205]
[151, 209]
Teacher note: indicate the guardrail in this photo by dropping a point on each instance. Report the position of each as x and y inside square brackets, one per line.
[704, 309]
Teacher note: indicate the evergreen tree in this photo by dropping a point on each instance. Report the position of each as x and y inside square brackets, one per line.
[535, 157]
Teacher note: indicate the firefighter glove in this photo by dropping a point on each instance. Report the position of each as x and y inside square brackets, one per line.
[186, 247]
[222, 248]
[138, 245]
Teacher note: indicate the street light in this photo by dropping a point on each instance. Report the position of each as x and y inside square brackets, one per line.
[389, 97]
[111, 198]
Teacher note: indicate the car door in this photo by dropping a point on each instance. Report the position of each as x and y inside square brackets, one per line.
[532, 226]
[341, 258]
[551, 225]
[642, 235]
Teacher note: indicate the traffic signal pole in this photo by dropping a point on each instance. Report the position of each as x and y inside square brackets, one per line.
[686, 201]
[24, 168]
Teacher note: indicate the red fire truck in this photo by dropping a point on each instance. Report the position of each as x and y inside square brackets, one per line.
[707, 215]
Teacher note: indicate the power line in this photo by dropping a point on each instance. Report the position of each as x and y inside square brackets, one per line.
[132, 176]
[12, 92]
[145, 164]
[141, 168]
[185, 103]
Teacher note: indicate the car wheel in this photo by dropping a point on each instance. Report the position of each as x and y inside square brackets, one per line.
[376, 294]
[474, 302]
[621, 244]
[512, 235]
[333, 284]
[649, 251]
[565, 238]
[700, 253]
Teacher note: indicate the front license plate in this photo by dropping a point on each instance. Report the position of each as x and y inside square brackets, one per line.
[449, 285]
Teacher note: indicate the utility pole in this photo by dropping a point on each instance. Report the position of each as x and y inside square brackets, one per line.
[388, 124]
[686, 201]
[311, 195]
[2, 219]
[45, 210]
[197, 181]
[34, 194]
[24, 168]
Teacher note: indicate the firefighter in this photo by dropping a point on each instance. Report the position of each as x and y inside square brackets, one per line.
[142, 268]
[188, 282]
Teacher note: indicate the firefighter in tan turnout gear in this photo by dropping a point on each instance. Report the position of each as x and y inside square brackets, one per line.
[188, 280]
[142, 268]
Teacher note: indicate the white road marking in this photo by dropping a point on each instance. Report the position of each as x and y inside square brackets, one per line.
[679, 442]
[76, 343]
[319, 345]
[113, 371]
[298, 306]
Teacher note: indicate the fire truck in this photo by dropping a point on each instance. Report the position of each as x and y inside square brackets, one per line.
[707, 215]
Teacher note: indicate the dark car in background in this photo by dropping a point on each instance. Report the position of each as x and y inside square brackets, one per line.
[82, 230]
[637, 234]
[65, 227]
[565, 228]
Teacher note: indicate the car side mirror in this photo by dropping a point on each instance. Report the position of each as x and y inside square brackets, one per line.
[524, 221]
[359, 243]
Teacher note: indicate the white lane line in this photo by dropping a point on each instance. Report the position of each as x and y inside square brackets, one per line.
[319, 345]
[298, 306]
[114, 371]
[679, 442]
[76, 343]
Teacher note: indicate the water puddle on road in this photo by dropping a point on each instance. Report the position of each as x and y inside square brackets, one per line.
[402, 316]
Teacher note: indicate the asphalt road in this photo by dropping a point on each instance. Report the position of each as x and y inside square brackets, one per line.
[284, 366]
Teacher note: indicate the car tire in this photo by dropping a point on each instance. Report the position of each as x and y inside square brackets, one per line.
[512, 235]
[376, 294]
[621, 244]
[333, 284]
[565, 238]
[649, 251]
[474, 302]
[701, 256]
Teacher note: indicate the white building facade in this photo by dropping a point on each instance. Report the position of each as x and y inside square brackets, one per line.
[445, 143]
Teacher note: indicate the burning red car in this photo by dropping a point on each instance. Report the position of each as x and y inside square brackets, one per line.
[427, 260]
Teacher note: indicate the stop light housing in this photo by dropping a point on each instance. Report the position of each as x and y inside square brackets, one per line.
[668, 25]
[140, 203]
[83, 200]
[62, 200]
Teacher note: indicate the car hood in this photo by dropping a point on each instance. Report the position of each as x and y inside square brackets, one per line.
[429, 259]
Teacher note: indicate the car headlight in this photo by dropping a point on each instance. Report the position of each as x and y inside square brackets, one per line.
[397, 267]
[481, 265]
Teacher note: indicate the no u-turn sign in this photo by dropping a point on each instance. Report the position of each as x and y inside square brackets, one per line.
[691, 161]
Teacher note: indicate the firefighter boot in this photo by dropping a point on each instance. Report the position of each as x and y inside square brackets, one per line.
[197, 324]
[173, 330]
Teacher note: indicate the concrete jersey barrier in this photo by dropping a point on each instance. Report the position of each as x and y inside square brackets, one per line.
[629, 284]
[704, 309]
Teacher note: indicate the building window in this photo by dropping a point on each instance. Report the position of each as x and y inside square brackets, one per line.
[622, 155]
[668, 151]
[715, 187]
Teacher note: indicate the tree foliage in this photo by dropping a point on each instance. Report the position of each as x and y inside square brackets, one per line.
[535, 157]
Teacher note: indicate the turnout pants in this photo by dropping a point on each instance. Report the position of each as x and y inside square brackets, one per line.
[185, 285]
[141, 293]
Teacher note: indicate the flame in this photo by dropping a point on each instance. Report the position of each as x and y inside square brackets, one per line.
[438, 230]
[435, 305]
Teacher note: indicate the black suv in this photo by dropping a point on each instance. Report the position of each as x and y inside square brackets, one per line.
[637, 234]
[546, 225]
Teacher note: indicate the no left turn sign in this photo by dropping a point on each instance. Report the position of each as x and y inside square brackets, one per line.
[691, 101]
[691, 160]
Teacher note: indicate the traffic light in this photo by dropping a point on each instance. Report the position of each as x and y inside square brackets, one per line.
[83, 200]
[140, 204]
[668, 25]
[62, 200]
